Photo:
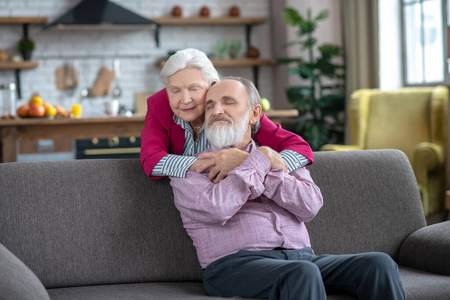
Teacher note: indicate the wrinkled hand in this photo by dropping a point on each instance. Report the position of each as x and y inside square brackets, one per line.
[202, 165]
[225, 161]
[276, 160]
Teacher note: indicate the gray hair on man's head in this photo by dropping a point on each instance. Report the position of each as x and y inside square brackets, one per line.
[253, 97]
[190, 58]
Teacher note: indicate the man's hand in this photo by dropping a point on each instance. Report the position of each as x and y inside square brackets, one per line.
[276, 160]
[224, 162]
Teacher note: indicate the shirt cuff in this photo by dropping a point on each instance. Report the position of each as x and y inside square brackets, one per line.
[258, 161]
[293, 160]
[173, 165]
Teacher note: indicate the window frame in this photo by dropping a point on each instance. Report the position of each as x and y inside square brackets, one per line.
[446, 51]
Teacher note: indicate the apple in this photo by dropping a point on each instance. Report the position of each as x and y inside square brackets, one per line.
[36, 110]
[265, 104]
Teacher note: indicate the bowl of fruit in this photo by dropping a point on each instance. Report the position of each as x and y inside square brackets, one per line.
[37, 108]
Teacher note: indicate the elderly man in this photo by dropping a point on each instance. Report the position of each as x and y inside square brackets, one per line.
[249, 229]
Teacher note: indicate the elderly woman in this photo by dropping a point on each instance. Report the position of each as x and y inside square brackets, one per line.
[174, 128]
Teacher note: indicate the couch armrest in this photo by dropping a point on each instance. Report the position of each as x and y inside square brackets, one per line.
[17, 281]
[333, 147]
[428, 249]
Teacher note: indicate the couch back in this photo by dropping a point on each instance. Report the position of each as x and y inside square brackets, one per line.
[91, 222]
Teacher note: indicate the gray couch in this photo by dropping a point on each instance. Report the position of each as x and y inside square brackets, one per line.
[100, 229]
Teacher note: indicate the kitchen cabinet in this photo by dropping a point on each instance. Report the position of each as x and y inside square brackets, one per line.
[223, 21]
[18, 66]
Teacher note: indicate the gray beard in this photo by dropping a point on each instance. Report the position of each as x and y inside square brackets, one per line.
[226, 135]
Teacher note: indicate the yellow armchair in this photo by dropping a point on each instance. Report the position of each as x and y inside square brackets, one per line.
[412, 120]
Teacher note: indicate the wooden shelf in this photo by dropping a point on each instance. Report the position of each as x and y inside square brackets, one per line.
[210, 21]
[22, 20]
[243, 62]
[18, 65]
[25, 21]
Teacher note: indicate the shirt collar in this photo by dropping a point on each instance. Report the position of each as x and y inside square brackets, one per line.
[185, 125]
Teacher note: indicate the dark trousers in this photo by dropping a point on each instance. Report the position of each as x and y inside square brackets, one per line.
[299, 274]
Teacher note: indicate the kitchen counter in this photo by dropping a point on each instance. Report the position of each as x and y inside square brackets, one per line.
[32, 129]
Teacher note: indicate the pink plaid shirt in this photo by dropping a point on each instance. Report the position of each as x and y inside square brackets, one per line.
[253, 208]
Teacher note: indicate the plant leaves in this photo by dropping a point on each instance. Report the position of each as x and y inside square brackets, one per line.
[309, 43]
[329, 50]
[322, 15]
[317, 135]
[291, 17]
[298, 60]
[304, 72]
[332, 102]
[307, 27]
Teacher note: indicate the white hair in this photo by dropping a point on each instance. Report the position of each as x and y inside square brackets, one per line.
[253, 97]
[190, 58]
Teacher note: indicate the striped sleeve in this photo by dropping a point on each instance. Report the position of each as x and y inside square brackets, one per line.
[293, 160]
[173, 165]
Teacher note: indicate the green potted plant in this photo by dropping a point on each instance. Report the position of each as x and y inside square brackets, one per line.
[321, 101]
[26, 47]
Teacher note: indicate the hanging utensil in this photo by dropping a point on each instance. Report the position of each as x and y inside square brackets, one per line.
[117, 91]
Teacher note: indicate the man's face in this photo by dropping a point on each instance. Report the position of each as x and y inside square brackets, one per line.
[227, 116]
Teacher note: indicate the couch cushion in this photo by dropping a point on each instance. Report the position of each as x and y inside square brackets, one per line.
[138, 291]
[417, 285]
[146, 291]
[425, 286]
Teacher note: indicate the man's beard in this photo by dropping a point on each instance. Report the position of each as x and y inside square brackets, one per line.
[223, 135]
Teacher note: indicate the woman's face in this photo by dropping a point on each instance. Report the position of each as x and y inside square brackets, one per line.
[187, 89]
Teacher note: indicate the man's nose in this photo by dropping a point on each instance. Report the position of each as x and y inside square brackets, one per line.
[218, 109]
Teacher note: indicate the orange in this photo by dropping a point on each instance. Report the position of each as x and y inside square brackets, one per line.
[36, 100]
[23, 110]
[50, 110]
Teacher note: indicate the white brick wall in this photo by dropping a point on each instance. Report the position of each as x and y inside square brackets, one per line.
[136, 48]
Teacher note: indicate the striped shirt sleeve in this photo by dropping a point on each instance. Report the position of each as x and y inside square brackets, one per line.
[173, 165]
[293, 160]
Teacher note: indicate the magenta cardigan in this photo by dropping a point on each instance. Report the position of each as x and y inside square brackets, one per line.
[162, 136]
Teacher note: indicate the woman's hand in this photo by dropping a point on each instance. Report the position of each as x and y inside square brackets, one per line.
[202, 165]
[224, 161]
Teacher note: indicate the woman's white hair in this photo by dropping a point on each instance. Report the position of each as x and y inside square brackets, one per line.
[189, 58]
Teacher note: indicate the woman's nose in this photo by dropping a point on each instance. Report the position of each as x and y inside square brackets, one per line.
[185, 97]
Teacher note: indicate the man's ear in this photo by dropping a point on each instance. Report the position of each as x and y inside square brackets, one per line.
[255, 114]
